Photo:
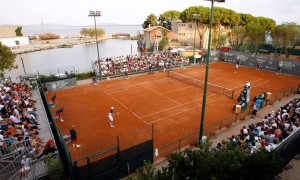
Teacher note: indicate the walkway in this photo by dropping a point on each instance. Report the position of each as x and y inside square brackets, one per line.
[42, 119]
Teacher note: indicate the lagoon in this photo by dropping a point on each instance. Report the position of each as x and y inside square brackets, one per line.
[78, 57]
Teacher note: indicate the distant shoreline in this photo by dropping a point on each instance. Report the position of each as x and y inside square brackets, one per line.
[40, 45]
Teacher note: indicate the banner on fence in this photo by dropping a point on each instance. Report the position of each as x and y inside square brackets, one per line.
[286, 65]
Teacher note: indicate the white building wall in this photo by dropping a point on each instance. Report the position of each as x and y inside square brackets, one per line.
[15, 41]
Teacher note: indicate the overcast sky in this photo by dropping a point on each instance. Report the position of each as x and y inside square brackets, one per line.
[75, 12]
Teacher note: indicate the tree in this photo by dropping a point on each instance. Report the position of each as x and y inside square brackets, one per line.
[91, 32]
[187, 14]
[165, 18]
[236, 37]
[219, 40]
[84, 32]
[247, 19]
[19, 31]
[227, 162]
[285, 35]
[229, 17]
[164, 41]
[151, 20]
[267, 23]
[7, 59]
[255, 35]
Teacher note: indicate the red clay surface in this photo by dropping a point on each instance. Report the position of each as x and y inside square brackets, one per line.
[174, 107]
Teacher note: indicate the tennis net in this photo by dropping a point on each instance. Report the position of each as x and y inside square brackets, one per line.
[211, 87]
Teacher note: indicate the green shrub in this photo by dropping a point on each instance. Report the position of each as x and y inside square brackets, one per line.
[87, 75]
[55, 168]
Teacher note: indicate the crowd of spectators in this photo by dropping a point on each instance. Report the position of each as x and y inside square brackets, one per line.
[138, 63]
[19, 127]
[269, 132]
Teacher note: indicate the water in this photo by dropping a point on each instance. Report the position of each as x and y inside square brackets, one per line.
[75, 30]
[79, 57]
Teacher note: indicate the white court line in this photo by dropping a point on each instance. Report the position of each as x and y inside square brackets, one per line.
[183, 111]
[254, 86]
[176, 106]
[238, 82]
[244, 85]
[136, 86]
[125, 107]
[178, 89]
[196, 106]
[186, 87]
[162, 95]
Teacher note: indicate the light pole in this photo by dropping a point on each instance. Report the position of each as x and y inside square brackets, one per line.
[131, 49]
[195, 16]
[23, 66]
[97, 14]
[207, 68]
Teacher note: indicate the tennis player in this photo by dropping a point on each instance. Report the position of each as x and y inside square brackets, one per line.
[236, 67]
[53, 99]
[111, 116]
[59, 114]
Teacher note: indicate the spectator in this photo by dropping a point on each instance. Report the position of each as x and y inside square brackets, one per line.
[73, 134]
[50, 147]
[25, 162]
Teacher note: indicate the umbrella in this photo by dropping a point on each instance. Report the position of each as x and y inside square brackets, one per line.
[174, 50]
[60, 110]
[180, 49]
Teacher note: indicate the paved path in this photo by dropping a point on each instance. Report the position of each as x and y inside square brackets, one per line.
[42, 119]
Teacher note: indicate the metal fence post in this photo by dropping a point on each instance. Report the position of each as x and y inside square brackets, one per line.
[118, 155]
[179, 144]
[152, 142]
[89, 168]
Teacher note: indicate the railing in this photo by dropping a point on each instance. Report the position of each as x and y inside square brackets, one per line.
[120, 73]
[12, 162]
[38, 168]
[11, 156]
[210, 130]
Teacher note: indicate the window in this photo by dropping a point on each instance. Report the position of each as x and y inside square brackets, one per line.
[17, 43]
[181, 34]
[190, 26]
[189, 35]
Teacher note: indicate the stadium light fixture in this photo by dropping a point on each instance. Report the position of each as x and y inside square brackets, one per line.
[196, 17]
[207, 68]
[97, 14]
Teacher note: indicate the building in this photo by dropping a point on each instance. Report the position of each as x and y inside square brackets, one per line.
[154, 34]
[189, 31]
[8, 37]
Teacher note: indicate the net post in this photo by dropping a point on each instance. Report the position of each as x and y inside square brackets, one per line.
[232, 94]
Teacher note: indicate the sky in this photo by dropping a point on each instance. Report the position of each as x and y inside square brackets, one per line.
[75, 12]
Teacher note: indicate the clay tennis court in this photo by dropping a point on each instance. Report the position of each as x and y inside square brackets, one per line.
[172, 106]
